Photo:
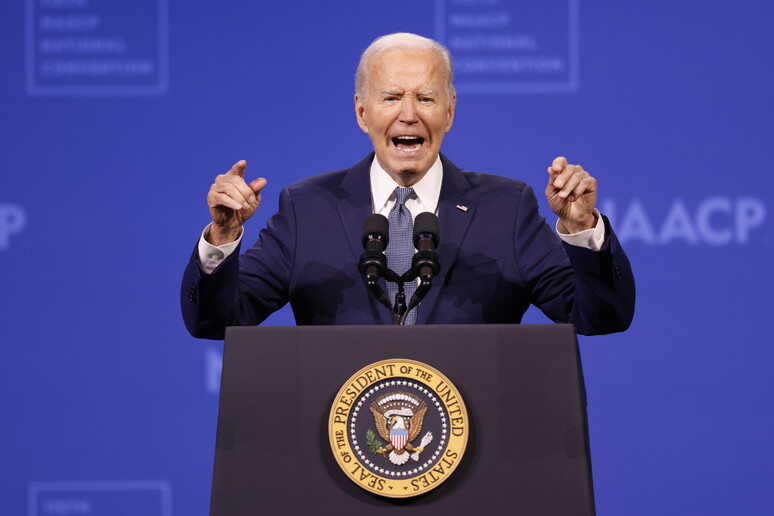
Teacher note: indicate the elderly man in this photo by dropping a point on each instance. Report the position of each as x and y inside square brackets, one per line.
[497, 254]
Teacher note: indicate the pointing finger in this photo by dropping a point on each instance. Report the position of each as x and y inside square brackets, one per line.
[559, 164]
[238, 169]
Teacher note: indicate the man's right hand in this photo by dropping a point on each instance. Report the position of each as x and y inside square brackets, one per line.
[232, 201]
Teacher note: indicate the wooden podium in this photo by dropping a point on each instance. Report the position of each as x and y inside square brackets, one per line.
[527, 451]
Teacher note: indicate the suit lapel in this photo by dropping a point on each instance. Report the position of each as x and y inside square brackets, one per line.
[354, 206]
[455, 211]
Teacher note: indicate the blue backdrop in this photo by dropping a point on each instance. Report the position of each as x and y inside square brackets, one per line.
[116, 116]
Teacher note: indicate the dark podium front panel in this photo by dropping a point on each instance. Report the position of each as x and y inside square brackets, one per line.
[527, 450]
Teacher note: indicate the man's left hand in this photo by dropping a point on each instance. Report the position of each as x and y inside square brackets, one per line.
[571, 194]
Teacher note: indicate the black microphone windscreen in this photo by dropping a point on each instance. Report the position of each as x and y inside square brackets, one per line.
[427, 222]
[376, 224]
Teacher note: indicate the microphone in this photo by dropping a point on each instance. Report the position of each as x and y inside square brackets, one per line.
[426, 236]
[425, 264]
[373, 262]
[375, 237]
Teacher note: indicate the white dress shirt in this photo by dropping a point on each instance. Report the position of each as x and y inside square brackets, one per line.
[427, 191]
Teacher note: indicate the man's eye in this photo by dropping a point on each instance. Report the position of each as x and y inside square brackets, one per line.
[426, 100]
[390, 99]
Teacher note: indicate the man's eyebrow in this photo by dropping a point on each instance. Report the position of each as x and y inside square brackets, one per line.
[426, 93]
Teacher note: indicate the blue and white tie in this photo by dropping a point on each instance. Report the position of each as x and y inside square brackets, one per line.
[400, 250]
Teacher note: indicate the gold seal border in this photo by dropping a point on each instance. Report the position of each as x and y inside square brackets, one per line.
[442, 388]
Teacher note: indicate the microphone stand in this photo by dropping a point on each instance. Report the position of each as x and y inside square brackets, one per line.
[398, 308]
[401, 310]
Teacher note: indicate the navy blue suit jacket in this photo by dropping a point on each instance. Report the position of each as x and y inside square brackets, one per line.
[497, 257]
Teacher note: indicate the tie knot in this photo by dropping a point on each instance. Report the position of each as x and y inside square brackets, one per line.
[403, 194]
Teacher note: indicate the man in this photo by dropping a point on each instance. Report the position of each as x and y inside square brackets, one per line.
[497, 254]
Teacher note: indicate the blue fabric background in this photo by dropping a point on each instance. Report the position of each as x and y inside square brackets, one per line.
[667, 103]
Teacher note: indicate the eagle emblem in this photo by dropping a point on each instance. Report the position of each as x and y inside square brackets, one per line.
[398, 417]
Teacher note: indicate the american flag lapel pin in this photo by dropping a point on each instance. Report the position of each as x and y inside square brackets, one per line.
[461, 207]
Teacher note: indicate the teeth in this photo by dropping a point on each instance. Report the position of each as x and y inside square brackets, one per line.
[407, 143]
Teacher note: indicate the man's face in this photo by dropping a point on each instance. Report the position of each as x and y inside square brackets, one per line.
[406, 111]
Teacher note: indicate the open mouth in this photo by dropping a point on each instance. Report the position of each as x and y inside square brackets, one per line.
[408, 143]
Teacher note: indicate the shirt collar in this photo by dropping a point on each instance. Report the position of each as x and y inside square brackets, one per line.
[427, 189]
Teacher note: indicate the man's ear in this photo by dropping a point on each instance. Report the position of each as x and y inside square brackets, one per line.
[360, 114]
[450, 113]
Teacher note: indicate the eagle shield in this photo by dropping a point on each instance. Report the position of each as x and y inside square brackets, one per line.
[398, 438]
[398, 417]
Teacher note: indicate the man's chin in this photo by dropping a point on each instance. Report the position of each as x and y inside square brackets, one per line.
[407, 176]
[408, 170]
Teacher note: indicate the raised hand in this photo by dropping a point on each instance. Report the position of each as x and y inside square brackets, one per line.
[571, 194]
[232, 201]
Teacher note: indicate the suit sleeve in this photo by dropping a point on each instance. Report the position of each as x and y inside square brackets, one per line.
[244, 289]
[594, 290]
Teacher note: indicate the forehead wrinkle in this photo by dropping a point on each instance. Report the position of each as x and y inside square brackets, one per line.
[380, 78]
[440, 62]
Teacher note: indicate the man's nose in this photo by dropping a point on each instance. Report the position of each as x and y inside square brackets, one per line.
[408, 110]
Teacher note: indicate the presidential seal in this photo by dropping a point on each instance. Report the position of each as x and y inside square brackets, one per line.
[398, 428]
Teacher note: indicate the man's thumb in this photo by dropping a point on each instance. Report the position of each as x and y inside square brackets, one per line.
[257, 185]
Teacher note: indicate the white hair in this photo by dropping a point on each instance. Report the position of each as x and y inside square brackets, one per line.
[402, 41]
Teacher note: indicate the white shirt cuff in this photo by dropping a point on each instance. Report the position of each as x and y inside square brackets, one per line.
[210, 255]
[589, 238]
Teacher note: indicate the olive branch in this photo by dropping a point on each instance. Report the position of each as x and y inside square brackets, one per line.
[372, 442]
